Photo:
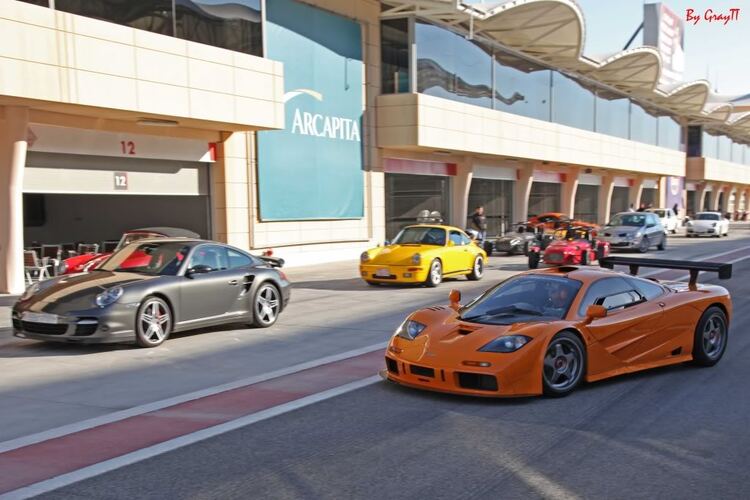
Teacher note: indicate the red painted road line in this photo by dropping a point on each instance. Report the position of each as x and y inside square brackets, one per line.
[47, 459]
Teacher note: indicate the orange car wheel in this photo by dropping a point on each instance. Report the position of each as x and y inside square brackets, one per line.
[564, 364]
[710, 337]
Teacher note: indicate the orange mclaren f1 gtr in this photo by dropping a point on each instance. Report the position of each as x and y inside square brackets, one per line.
[546, 331]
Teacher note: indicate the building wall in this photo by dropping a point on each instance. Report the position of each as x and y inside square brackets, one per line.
[417, 121]
[74, 63]
[301, 242]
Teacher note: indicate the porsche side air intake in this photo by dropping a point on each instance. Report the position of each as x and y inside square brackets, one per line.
[695, 267]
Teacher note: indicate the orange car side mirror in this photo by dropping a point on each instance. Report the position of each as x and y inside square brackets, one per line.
[595, 312]
[455, 299]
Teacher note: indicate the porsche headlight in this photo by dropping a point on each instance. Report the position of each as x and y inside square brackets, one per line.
[416, 259]
[690, 223]
[30, 290]
[364, 257]
[515, 241]
[507, 343]
[409, 329]
[108, 297]
[713, 224]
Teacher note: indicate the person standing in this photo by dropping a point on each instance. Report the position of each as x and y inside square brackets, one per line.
[479, 222]
[631, 209]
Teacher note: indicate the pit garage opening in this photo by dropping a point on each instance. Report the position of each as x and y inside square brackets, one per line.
[93, 199]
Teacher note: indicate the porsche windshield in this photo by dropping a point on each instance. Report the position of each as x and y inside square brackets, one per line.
[420, 236]
[532, 297]
[154, 258]
[707, 216]
[635, 219]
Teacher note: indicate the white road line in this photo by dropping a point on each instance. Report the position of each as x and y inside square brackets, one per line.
[164, 403]
[173, 444]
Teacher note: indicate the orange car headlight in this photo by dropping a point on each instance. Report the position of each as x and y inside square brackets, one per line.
[409, 329]
[507, 343]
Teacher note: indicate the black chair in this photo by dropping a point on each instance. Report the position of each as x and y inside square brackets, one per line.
[88, 248]
[109, 245]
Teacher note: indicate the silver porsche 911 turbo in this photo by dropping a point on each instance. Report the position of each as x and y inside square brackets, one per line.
[151, 288]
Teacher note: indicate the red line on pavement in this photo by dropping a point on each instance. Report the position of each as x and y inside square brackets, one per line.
[47, 459]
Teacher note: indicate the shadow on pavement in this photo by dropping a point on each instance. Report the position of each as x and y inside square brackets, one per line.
[30, 348]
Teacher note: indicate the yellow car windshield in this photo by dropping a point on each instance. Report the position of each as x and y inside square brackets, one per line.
[420, 236]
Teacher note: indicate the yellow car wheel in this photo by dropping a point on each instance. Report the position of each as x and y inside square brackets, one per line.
[435, 276]
[477, 270]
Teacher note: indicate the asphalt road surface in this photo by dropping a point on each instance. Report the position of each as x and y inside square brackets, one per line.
[677, 432]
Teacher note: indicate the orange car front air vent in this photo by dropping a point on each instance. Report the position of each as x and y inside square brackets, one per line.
[462, 330]
[435, 308]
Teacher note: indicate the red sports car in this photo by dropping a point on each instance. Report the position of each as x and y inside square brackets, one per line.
[572, 246]
[85, 262]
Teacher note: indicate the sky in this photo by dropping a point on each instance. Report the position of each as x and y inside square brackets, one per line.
[712, 49]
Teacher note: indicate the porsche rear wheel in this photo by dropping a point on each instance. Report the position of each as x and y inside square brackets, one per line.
[564, 365]
[266, 305]
[710, 340]
[477, 270]
[435, 276]
[153, 322]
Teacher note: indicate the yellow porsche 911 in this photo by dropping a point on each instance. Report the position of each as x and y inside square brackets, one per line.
[423, 254]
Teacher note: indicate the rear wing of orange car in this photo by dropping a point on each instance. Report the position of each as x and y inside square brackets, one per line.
[694, 267]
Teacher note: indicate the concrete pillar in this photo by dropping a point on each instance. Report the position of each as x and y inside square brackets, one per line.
[702, 191]
[718, 199]
[523, 192]
[461, 185]
[605, 198]
[635, 191]
[569, 190]
[231, 188]
[663, 189]
[13, 133]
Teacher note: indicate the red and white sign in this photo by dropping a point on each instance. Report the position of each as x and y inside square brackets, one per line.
[53, 139]
[664, 29]
[406, 166]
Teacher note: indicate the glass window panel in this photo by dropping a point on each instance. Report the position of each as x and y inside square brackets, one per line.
[736, 152]
[394, 51]
[670, 133]
[612, 114]
[587, 203]
[406, 195]
[710, 145]
[151, 15]
[572, 104]
[619, 202]
[521, 87]
[725, 148]
[544, 197]
[642, 124]
[496, 196]
[229, 24]
[452, 67]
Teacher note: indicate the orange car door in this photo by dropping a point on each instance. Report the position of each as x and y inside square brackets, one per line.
[627, 332]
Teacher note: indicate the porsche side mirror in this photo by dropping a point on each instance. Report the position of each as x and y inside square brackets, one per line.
[455, 298]
[595, 312]
[199, 269]
[451, 243]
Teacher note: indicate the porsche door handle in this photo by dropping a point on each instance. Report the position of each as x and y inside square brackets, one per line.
[233, 282]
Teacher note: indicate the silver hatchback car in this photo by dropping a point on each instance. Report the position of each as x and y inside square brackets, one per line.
[634, 231]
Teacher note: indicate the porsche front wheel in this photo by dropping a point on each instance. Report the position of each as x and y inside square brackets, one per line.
[435, 276]
[153, 322]
[564, 365]
[710, 339]
[477, 270]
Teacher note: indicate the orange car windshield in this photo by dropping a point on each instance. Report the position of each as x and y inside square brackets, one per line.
[531, 297]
